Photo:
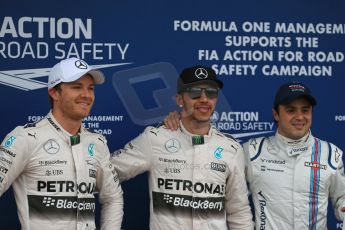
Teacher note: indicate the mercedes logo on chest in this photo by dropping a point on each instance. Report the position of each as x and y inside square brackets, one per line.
[51, 146]
[172, 145]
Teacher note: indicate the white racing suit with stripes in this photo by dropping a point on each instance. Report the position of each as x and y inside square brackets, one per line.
[291, 183]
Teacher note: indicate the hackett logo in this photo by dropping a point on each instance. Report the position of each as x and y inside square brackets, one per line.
[218, 167]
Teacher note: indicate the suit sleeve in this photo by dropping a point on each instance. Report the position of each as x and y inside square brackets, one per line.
[110, 193]
[247, 164]
[238, 213]
[135, 157]
[14, 154]
[337, 187]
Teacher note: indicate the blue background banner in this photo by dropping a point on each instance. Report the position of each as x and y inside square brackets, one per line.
[141, 46]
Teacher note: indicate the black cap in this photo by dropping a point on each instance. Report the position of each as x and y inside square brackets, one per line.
[291, 91]
[197, 75]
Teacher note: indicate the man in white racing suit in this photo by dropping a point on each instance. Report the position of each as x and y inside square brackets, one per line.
[293, 174]
[195, 179]
[56, 166]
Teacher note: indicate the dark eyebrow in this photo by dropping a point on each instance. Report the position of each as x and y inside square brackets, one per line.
[75, 83]
[307, 106]
[80, 84]
[289, 106]
[294, 107]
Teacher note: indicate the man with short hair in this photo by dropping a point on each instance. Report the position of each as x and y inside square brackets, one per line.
[195, 178]
[293, 174]
[56, 165]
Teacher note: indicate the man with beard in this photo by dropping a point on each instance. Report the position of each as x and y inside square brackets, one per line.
[194, 176]
[56, 166]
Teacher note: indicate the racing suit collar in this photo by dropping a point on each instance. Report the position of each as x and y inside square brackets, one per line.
[191, 135]
[294, 147]
[66, 136]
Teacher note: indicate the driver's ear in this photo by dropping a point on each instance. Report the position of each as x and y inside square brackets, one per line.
[179, 100]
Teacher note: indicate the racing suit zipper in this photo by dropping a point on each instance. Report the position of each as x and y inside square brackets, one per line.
[75, 145]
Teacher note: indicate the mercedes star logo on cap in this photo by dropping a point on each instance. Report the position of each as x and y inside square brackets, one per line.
[80, 64]
[172, 145]
[201, 73]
